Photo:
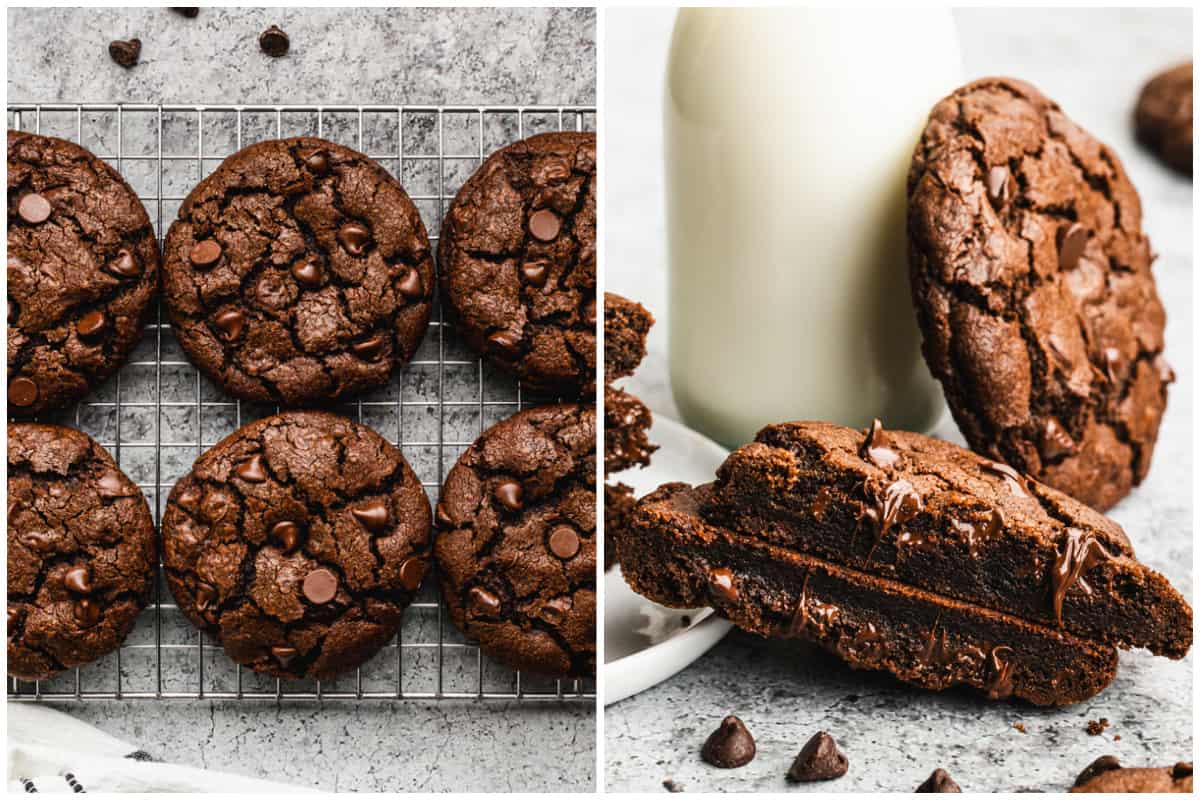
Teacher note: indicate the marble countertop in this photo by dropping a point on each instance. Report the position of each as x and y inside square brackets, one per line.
[351, 56]
[1092, 62]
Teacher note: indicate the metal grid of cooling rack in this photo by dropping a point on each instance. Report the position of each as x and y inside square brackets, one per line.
[159, 413]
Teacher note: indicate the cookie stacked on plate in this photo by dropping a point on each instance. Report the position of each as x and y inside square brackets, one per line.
[626, 418]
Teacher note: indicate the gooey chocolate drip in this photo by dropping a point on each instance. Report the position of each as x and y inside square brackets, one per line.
[898, 504]
[1080, 551]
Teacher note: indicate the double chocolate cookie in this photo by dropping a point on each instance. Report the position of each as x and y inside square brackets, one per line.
[1163, 117]
[1106, 775]
[81, 551]
[297, 542]
[517, 257]
[1032, 282]
[298, 272]
[900, 552]
[516, 544]
[82, 270]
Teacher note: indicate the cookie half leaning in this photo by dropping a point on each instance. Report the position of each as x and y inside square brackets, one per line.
[517, 258]
[82, 271]
[516, 545]
[81, 551]
[297, 542]
[298, 272]
[1032, 282]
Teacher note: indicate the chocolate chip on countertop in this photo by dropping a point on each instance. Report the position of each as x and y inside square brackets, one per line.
[939, 781]
[819, 760]
[1100, 765]
[729, 746]
[125, 53]
[190, 13]
[274, 42]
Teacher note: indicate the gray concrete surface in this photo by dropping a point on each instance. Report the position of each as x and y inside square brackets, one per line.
[1093, 63]
[352, 56]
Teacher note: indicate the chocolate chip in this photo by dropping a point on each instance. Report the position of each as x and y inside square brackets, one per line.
[510, 495]
[288, 534]
[410, 285]
[87, 612]
[1056, 441]
[91, 325]
[1000, 186]
[230, 322]
[283, 654]
[373, 516]
[318, 162]
[78, 580]
[252, 470]
[371, 348]
[34, 208]
[274, 42]
[721, 580]
[535, 273]
[206, 596]
[111, 486]
[307, 273]
[564, 542]
[320, 585]
[443, 519]
[205, 254]
[23, 392]
[1071, 242]
[730, 746]
[938, 781]
[1181, 770]
[412, 570]
[124, 265]
[125, 53]
[1012, 478]
[544, 225]
[505, 341]
[190, 13]
[1098, 767]
[878, 447]
[819, 760]
[484, 602]
[354, 237]
[14, 615]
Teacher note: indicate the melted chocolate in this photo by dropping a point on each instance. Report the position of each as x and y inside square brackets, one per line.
[878, 447]
[899, 504]
[1080, 551]
[1012, 478]
[978, 531]
[1000, 684]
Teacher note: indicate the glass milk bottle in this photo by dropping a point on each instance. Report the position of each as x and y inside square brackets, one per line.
[788, 136]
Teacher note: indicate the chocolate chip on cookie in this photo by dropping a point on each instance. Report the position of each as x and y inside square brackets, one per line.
[82, 272]
[1035, 297]
[81, 551]
[517, 257]
[1163, 118]
[516, 544]
[297, 542]
[298, 272]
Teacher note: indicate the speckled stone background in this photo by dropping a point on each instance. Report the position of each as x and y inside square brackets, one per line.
[1093, 63]
[358, 56]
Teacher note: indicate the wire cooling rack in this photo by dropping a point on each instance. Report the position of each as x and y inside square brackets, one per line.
[159, 413]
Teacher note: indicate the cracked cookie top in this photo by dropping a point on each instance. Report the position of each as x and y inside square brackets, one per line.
[82, 270]
[517, 257]
[298, 272]
[1032, 282]
[297, 542]
[81, 551]
[516, 544]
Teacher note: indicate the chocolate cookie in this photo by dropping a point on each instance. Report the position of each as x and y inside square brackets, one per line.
[1111, 777]
[517, 257]
[81, 551]
[1032, 282]
[626, 325]
[297, 542]
[298, 272]
[900, 552]
[516, 544]
[626, 420]
[82, 270]
[618, 510]
[1163, 118]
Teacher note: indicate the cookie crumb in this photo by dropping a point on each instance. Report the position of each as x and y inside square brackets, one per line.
[1020, 726]
[671, 786]
[1117, 738]
[1095, 728]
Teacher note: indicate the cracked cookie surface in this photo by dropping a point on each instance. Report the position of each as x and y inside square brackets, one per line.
[1032, 282]
[82, 269]
[298, 272]
[297, 542]
[81, 551]
[1163, 117]
[516, 541]
[517, 257]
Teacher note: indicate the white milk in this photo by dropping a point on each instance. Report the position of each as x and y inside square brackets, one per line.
[788, 138]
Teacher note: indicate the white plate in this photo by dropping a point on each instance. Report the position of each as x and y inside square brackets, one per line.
[645, 643]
